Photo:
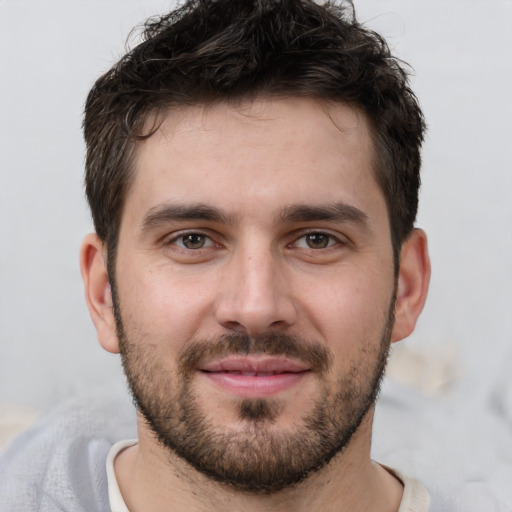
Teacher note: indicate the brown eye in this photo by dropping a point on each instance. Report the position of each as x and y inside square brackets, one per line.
[193, 241]
[317, 240]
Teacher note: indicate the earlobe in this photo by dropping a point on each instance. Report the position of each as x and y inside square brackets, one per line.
[97, 291]
[413, 282]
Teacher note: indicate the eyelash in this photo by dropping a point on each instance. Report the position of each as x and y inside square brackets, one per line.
[331, 240]
[178, 240]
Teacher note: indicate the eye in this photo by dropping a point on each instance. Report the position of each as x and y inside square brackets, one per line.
[316, 241]
[193, 241]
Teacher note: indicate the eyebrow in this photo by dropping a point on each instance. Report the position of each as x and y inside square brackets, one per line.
[166, 213]
[337, 212]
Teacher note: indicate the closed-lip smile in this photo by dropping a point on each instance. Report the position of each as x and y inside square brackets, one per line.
[254, 376]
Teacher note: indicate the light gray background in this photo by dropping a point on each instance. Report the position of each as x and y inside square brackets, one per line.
[52, 51]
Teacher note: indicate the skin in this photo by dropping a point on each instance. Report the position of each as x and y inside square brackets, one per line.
[256, 274]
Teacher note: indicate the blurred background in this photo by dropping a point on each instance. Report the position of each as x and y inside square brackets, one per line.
[461, 55]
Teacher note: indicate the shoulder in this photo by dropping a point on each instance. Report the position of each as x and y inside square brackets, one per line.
[426, 439]
[60, 463]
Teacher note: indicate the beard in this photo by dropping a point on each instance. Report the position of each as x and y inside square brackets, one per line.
[260, 457]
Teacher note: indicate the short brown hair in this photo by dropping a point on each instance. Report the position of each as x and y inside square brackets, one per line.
[214, 50]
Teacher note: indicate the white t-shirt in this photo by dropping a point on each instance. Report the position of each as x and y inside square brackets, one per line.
[414, 499]
[115, 497]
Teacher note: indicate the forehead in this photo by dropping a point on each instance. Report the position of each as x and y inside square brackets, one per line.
[292, 119]
[263, 153]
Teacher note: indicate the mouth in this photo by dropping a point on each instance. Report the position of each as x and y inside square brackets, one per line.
[253, 377]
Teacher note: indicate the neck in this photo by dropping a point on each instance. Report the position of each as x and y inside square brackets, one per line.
[152, 479]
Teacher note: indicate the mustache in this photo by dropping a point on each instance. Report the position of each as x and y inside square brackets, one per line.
[317, 357]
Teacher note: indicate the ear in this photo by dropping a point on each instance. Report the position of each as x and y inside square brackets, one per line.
[97, 291]
[413, 281]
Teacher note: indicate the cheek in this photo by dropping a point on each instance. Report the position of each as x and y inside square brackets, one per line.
[164, 309]
[350, 311]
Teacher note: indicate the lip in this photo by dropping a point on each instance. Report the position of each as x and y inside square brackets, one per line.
[251, 377]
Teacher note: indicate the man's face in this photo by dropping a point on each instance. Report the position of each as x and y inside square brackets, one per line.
[254, 286]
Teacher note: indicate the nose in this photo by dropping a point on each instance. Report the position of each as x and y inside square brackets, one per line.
[255, 296]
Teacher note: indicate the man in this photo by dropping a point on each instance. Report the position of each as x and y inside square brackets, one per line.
[253, 171]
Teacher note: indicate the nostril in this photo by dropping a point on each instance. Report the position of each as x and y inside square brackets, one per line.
[233, 326]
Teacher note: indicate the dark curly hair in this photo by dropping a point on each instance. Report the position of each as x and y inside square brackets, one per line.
[221, 50]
